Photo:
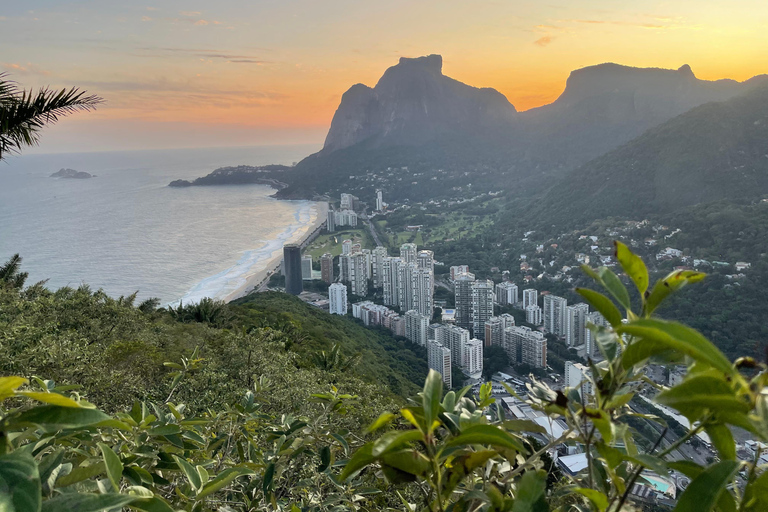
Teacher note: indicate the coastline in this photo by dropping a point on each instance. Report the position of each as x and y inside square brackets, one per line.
[256, 277]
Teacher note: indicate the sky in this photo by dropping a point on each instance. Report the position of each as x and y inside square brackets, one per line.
[186, 73]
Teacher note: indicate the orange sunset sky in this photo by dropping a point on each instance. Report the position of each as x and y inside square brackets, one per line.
[180, 73]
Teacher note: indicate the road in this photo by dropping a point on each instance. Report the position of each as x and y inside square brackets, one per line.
[374, 234]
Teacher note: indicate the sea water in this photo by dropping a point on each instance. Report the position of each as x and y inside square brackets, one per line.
[125, 230]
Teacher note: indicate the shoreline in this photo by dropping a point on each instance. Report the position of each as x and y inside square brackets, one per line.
[256, 280]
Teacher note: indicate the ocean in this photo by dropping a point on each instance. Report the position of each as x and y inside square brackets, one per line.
[125, 230]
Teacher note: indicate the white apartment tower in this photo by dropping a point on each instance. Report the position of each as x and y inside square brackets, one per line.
[337, 297]
[495, 327]
[416, 327]
[306, 268]
[482, 306]
[506, 294]
[377, 266]
[462, 287]
[346, 247]
[530, 297]
[391, 280]
[529, 345]
[533, 314]
[576, 325]
[439, 359]
[408, 253]
[576, 376]
[555, 314]
[472, 358]
[452, 337]
[379, 201]
[594, 318]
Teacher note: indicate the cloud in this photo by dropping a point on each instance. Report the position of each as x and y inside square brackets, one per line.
[24, 69]
[211, 55]
[201, 22]
[146, 18]
[189, 14]
[152, 9]
[248, 61]
[543, 41]
[622, 23]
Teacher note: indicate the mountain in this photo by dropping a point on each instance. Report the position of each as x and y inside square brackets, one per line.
[414, 103]
[606, 105]
[415, 119]
[713, 152]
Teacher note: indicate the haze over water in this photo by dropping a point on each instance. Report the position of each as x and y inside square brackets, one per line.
[126, 230]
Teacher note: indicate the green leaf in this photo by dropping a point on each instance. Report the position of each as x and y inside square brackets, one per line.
[155, 504]
[9, 385]
[603, 305]
[361, 458]
[704, 490]
[223, 479]
[56, 417]
[672, 283]
[699, 393]
[431, 397]
[325, 459]
[114, 466]
[50, 398]
[531, 493]
[679, 337]
[524, 426]
[756, 494]
[722, 439]
[487, 434]
[82, 473]
[165, 430]
[412, 462]
[191, 473]
[611, 283]
[382, 421]
[82, 502]
[394, 440]
[269, 476]
[20, 481]
[597, 498]
[633, 266]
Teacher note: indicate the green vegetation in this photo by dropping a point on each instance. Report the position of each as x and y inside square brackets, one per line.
[331, 242]
[243, 422]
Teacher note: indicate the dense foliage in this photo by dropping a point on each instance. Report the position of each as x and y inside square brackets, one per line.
[261, 445]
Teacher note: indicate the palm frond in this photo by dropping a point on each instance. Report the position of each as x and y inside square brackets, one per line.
[23, 114]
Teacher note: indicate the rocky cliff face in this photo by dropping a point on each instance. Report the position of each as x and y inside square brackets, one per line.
[414, 103]
[607, 105]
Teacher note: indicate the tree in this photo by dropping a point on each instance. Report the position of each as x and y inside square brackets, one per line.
[10, 275]
[23, 114]
[495, 359]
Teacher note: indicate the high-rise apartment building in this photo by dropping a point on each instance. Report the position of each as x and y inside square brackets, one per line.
[506, 294]
[530, 297]
[576, 377]
[391, 280]
[452, 337]
[472, 358]
[330, 224]
[377, 266]
[422, 283]
[526, 346]
[349, 202]
[292, 268]
[462, 287]
[555, 314]
[326, 267]
[439, 359]
[533, 314]
[379, 201]
[458, 270]
[306, 268]
[594, 318]
[408, 253]
[416, 327]
[358, 276]
[346, 246]
[337, 298]
[576, 325]
[482, 306]
[495, 327]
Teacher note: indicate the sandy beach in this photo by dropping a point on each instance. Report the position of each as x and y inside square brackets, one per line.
[263, 271]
